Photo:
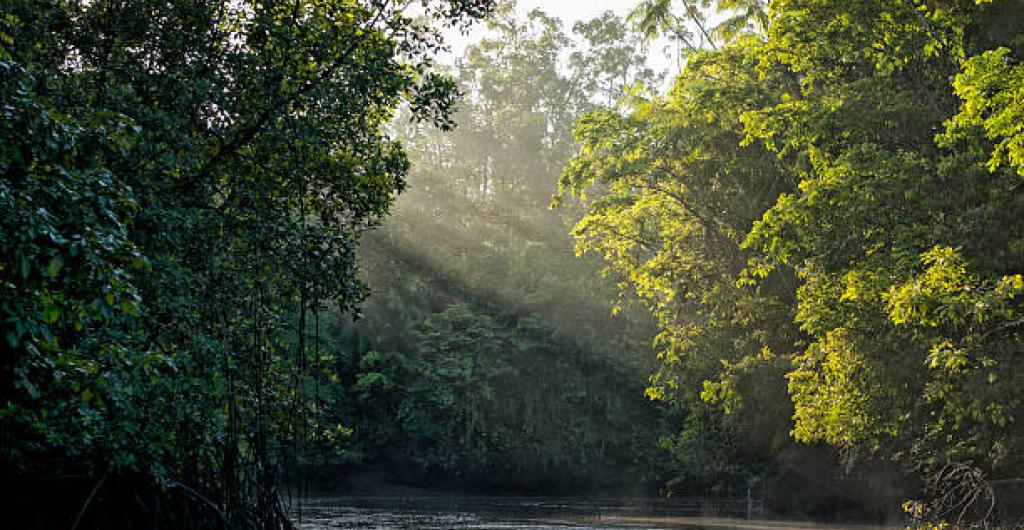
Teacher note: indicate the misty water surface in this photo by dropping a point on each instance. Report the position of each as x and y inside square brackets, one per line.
[498, 513]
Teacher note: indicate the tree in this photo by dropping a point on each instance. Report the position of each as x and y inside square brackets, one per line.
[688, 23]
[906, 246]
[180, 180]
[512, 373]
[670, 192]
[850, 171]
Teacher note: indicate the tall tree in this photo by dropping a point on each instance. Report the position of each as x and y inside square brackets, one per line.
[670, 193]
[907, 243]
[860, 218]
[180, 180]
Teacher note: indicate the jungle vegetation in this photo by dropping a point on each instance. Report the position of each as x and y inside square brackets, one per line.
[184, 185]
[251, 248]
[830, 197]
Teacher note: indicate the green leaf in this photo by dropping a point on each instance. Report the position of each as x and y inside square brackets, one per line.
[51, 314]
[54, 267]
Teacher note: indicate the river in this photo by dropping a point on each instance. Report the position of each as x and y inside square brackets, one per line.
[517, 513]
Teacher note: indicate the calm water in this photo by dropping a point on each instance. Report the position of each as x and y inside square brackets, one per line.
[489, 513]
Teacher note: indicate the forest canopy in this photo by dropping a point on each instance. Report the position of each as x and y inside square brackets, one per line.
[249, 245]
[832, 197]
[183, 184]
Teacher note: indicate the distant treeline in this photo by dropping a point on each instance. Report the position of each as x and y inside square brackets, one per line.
[486, 358]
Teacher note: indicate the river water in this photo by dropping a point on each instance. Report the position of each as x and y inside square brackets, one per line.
[503, 513]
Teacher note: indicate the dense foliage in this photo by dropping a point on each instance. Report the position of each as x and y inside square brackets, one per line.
[486, 357]
[820, 225]
[837, 199]
[183, 182]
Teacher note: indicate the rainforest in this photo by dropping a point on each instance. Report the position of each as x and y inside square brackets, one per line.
[452, 264]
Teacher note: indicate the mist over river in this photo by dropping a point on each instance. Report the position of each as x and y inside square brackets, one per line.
[531, 513]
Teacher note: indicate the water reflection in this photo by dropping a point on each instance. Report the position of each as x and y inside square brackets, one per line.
[381, 519]
[418, 513]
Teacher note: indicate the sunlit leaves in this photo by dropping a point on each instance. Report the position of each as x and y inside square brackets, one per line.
[906, 244]
[670, 191]
[830, 392]
[992, 89]
[908, 250]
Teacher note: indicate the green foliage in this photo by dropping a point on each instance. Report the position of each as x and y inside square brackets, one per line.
[67, 285]
[854, 171]
[487, 356]
[686, 21]
[668, 216]
[880, 198]
[482, 401]
[183, 183]
[991, 86]
[671, 189]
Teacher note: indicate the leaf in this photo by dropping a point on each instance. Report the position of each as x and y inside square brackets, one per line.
[51, 314]
[54, 267]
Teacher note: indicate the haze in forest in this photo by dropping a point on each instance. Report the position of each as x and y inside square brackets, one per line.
[320, 263]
